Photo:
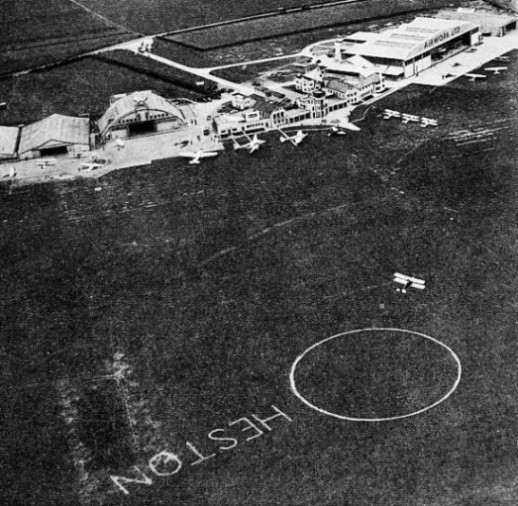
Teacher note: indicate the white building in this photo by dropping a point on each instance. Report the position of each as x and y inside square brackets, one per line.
[141, 112]
[314, 103]
[412, 47]
[234, 124]
[354, 89]
[263, 116]
[55, 135]
[8, 142]
[496, 25]
[310, 81]
[242, 102]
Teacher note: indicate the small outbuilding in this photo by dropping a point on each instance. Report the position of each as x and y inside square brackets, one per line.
[54, 136]
[8, 142]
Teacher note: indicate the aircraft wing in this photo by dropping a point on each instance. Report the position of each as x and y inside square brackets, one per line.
[198, 155]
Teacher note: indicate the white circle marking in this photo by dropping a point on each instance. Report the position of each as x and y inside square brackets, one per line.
[294, 389]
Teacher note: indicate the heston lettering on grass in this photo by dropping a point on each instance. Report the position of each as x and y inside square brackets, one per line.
[167, 463]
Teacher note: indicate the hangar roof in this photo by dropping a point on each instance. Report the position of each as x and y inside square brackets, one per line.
[354, 65]
[56, 130]
[488, 21]
[412, 39]
[133, 102]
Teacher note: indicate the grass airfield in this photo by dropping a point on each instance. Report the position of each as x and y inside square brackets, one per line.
[211, 280]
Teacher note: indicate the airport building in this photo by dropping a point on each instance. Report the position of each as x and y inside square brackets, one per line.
[242, 102]
[8, 142]
[54, 136]
[261, 115]
[494, 25]
[236, 123]
[409, 48]
[138, 113]
[310, 81]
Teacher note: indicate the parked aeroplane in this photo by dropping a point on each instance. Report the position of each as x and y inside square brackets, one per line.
[408, 281]
[253, 144]
[46, 162]
[349, 126]
[88, 167]
[407, 118]
[336, 131]
[196, 156]
[344, 125]
[388, 113]
[474, 77]
[294, 139]
[428, 122]
[495, 70]
[504, 59]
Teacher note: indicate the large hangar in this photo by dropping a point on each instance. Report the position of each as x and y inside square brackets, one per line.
[139, 113]
[412, 47]
[55, 135]
[495, 25]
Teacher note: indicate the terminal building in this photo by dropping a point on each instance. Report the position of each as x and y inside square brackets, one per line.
[138, 113]
[410, 48]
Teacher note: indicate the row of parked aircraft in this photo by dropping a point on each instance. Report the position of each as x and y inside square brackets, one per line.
[254, 143]
[496, 70]
[409, 118]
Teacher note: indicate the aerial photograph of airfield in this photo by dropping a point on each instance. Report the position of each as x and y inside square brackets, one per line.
[259, 253]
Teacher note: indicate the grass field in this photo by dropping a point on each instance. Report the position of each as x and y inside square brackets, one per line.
[152, 68]
[276, 46]
[156, 16]
[37, 33]
[262, 29]
[84, 86]
[236, 269]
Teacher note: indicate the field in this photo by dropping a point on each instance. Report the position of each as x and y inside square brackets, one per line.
[157, 16]
[277, 46]
[146, 324]
[83, 86]
[37, 33]
[152, 68]
[262, 29]
[274, 46]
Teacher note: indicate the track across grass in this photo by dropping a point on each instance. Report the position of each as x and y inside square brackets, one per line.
[302, 246]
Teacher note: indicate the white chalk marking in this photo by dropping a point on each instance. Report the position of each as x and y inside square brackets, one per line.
[201, 458]
[251, 425]
[294, 388]
[162, 459]
[216, 438]
[265, 420]
[143, 480]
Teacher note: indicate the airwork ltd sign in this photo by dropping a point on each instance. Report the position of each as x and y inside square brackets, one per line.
[442, 37]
